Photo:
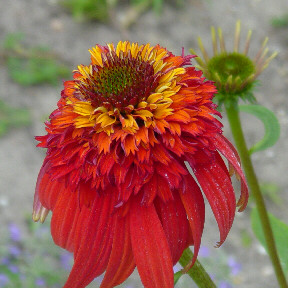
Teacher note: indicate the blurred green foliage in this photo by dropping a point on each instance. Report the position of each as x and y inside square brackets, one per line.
[280, 231]
[271, 192]
[100, 10]
[32, 66]
[280, 22]
[12, 117]
[246, 239]
[157, 5]
[87, 9]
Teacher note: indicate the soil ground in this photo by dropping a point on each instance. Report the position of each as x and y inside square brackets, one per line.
[44, 23]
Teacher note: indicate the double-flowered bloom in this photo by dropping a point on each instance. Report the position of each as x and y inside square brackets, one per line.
[117, 175]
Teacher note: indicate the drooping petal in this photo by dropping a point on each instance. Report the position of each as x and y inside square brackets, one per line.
[194, 205]
[121, 262]
[46, 189]
[39, 211]
[228, 151]
[64, 220]
[150, 247]
[217, 187]
[175, 224]
[93, 242]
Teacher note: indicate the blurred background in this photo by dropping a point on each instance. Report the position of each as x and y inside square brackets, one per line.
[41, 42]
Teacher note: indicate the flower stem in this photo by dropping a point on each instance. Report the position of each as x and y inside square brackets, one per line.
[197, 272]
[238, 135]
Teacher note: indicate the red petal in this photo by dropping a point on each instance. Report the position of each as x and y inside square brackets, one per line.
[150, 247]
[46, 189]
[227, 149]
[106, 162]
[128, 187]
[176, 227]
[216, 185]
[121, 263]
[193, 202]
[164, 189]
[150, 190]
[64, 220]
[92, 241]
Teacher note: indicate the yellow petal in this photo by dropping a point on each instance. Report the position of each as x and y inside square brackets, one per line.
[154, 98]
[105, 120]
[96, 56]
[142, 104]
[144, 114]
[83, 108]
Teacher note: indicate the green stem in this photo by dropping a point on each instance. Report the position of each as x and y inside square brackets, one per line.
[197, 272]
[237, 132]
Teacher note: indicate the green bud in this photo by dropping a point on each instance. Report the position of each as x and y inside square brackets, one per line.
[234, 73]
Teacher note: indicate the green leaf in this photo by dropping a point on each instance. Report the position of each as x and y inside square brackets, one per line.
[280, 231]
[177, 276]
[271, 125]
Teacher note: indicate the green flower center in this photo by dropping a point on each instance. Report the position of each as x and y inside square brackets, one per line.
[114, 80]
[122, 81]
[233, 67]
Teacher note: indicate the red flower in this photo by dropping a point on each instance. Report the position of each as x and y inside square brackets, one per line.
[120, 144]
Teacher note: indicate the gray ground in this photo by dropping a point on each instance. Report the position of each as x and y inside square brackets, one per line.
[45, 24]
